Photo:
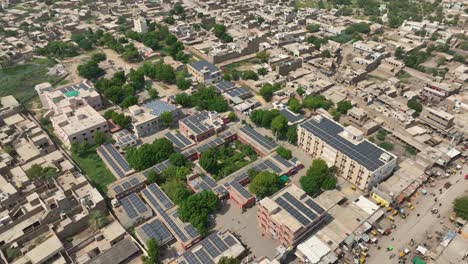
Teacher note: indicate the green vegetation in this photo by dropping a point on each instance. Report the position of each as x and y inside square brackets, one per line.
[90, 69]
[197, 208]
[415, 105]
[220, 32]
[265, 184]
[97, 220]
[249, 75]
[37, 172]
[223, 161]
[294, 105]
[318, 176]
[411, 150]
[204, 98]
[284, 153]
[228, 260]
[381, 134]
[20, 80]
[166, 118]
[148, 155]
[93, 167]
[176, 190]
[312, 28]
[272, 119]
[386, 145]
[267, 91]
[118, 119]
[153, 256]
[316, 101]
[279, 126]
[59, 50]
[460, 206]
[263, 56]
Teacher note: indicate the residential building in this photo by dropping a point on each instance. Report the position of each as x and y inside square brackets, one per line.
[205, 72]
[201, 125]
[359, 161]
[79, 125]
[437, 119]
[289, 216]
[146, 117]
[140, 25]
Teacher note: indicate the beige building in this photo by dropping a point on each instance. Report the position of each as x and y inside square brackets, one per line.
[79, 125]
[359, 161]
[436, 119]
[205, 72]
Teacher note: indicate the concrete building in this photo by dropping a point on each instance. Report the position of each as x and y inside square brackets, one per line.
[79, 125]
[289, 216]
[359, 161]
[205, 72]
[140, 25]
[436, 119]
[201, 125]
[146, 118]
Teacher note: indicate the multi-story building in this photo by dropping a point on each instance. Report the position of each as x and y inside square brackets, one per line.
[201, 125]
[359, 161]
[140, 25]
[440, 90]
[205, 72]
[146, 117]
[79, 124]
[436, 119]
[289, 216]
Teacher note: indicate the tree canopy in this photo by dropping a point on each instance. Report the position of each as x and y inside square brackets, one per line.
[319, 175]
[197, 208]
[284, 153]
[265, 184]
[460, 206]
[149, 154]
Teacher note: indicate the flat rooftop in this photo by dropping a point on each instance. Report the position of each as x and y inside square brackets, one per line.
[364, 152]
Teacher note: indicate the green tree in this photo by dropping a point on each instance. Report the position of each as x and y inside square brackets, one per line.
[228, 260]
[152, 177]
[309, 185]
[176, 190]
[316, 101]
[279, 126]
[381, 134]
[177, 159]
[325, 54]
[291, 134]
[460, 206]
[252, 173]
[166, 118]
[262, 71]
[300, 91]
[148, 155]
[129, 101]
[209, 161]
[415, 105]
[249, 75]
[312, 28]
[294, 105]
[96, 220]
[183, 99]
[344, 106]
[329, 183]
[267, 91]
[386, 145]
[263, 56]
[153, 93]
[232, 116]
[197, 208]
[265, 184]
[99, 138]
[284, 153]
[152, 248]
[90, 70]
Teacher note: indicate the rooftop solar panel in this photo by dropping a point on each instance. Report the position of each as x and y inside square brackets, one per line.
[161, 196]
[301, 207]
[128, 207]
[272, 166]
[292, 211]
[364, 153]
[110, 162]
[317, 208]
[218, 243]
[210, 248]
[191, 231]
[230, 241]
[203, 257]
[258, 138]
[117, 157]
[118, 189]
[157, 230]
[241, 189]
[286, 163]
[158, 107]
[190, 257]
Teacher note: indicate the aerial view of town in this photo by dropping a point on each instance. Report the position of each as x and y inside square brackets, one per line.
[233, 131]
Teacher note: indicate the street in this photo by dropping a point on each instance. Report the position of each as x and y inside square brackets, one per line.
[414, 227]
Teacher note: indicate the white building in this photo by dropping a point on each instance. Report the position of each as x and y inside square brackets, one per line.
[139, 25]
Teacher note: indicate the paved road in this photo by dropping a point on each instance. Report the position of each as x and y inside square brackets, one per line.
[416, 227]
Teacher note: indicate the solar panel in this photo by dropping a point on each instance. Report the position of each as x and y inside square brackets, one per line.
[191, 259]
[110, 162]
[218, 243]
[272, 166]
[365, 153]
[191, 231]
[161, 196]
[230, 241]
[157, 230]
[126, 185]
[128, 208]
[134, 181]
[203, 257]
[317, 208]
[137, 203]
[208, 180]
[283, 161]
[241, 189]
[292, 211]
[118, 157]
[258, 138]
[118, 189]
[212, 250]
[158, 107]
[301, 207]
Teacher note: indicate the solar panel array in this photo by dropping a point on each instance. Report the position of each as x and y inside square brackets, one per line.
[239, 92]
[133, 205]
[179, 140]
[211, 247]
[161, 196]
[158, 168]
[158, 107]
[364, 153]
[286, 163]
[197, 122]
[126, 183]
[110, 162]
[224, 86]
[200, 65]
[117, 157]
[296, 208]
[257, 138]
[290, 116]
[157, 230]
[240, 189]
[164, 216]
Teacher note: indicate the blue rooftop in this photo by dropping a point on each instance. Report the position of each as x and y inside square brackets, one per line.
[158, 107]
[199, 65]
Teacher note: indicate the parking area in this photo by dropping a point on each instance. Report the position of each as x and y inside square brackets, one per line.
[245, 226]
